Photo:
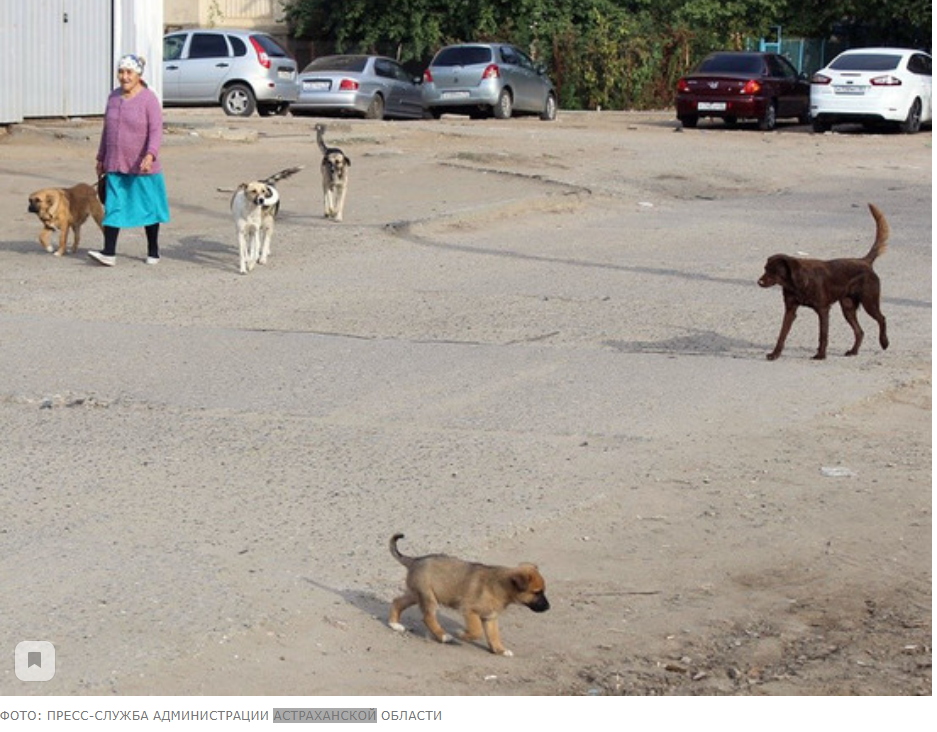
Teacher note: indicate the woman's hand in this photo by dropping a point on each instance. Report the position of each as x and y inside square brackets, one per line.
[147, 164]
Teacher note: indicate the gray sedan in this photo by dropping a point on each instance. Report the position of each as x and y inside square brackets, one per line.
[374, 87]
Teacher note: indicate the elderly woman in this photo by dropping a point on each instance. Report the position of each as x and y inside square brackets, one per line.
[129, 158]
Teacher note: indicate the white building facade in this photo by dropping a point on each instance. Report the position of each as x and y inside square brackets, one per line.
[58, 58]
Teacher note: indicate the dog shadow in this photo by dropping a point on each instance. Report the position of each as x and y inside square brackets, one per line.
[376, 609]
[204, 252]
[694, 343]
[29, 247]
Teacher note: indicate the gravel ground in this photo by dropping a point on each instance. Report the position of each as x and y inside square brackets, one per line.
[526, 341]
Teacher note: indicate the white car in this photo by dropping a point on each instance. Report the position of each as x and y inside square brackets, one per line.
[872, 86]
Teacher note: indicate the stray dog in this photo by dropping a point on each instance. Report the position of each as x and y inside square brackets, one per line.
[255, 206]
[335, 166]
[478, 590]
[61, 209]
[818, 284]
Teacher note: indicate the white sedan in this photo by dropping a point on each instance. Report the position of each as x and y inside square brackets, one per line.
[872, 86]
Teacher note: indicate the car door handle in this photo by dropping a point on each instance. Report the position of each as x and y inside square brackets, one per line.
[222, 65]
[172, 68]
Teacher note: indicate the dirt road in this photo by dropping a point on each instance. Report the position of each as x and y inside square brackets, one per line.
[527, 341]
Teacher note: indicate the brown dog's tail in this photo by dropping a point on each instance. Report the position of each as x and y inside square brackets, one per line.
[881, 235]
[404, 560]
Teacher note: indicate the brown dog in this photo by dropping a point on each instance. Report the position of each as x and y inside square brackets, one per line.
[818, 284]
[478, 590]
[61, 209]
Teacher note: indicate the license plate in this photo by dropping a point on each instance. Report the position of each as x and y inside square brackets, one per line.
[315, 85]
[285, 74]
[455, 95]
[711, 106]
[849, 90]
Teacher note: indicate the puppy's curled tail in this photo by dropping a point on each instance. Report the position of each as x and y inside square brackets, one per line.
[404, 560]
[881, 235]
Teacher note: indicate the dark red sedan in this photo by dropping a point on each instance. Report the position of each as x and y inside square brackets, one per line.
[736, 85]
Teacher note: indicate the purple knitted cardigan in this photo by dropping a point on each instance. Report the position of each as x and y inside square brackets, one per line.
[132, 128]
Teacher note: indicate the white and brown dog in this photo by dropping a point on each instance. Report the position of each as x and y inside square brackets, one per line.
[255, 206]
[335, 165]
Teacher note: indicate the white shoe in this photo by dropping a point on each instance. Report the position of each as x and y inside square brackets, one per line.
[108, 260]
[152, 260]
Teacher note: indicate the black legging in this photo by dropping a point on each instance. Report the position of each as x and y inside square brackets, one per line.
[152, 240]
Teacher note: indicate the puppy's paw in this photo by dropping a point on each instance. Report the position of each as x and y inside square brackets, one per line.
[446, 638]
[507, 653]
[398, 627]
[56, 253]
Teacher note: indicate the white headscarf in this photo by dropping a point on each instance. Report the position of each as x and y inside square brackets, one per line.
[133, 63]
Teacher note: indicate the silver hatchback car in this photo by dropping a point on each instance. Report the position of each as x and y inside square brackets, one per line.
[487, 78]
[241, 70]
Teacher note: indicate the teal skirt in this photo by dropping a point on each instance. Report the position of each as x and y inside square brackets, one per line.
[135, 200]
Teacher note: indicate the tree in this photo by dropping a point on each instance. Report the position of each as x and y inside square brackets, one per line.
[609, 53]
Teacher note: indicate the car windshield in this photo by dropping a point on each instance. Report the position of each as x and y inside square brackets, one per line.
[463, 56]
[866, 62]
[338, 63]
[731, 64]
[270, 46]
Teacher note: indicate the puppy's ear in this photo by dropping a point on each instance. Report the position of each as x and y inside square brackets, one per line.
[347, 160]
[522, 576]
[520, 580]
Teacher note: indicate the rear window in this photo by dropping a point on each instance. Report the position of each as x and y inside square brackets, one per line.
[338, 63]
[731, 64]
[273, 49]
[208, 45]
[463, 56]
[866, 62]
[238, 47]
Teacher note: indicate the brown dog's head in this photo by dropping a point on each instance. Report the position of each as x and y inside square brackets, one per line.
[531, 588]
[44, 202]
[778, 271]
[335, 164]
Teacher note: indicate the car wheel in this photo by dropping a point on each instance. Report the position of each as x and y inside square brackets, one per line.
[504, 105]
[770, 120]
[549, 109]
[238, 101]
[820, 126]
[689, 121]
[912, 123]
[375, 108]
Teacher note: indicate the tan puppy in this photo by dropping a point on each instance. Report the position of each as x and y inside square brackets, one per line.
[480, 591]
[61, 209]
[335, 174]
